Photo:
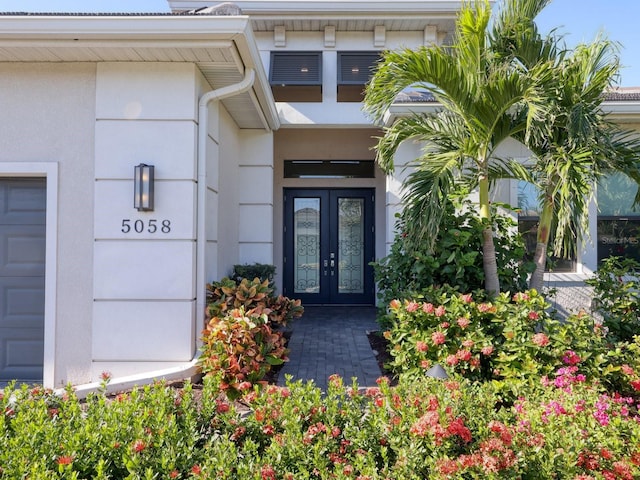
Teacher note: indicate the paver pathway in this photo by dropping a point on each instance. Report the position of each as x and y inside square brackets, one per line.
[328, 340]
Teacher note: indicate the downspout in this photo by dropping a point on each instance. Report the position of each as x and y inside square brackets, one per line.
[190, 369]
[203, 127]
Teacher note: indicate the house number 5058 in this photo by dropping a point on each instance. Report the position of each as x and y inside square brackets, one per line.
[149, 226]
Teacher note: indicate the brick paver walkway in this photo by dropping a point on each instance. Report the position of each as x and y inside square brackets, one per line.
[328, 340]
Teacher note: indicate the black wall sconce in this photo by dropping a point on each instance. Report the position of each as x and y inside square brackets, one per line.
[143, 189]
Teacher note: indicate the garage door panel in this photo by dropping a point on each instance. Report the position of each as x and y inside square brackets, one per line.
[22, 302]
[22, 250]
[21, 356]
[22, 280]
[22, 202]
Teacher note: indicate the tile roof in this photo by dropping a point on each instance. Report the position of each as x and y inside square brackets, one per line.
[622, 94]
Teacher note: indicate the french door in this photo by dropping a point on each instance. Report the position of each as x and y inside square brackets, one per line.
[328, 244]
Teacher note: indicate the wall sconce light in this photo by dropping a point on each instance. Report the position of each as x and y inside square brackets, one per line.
[143, 187]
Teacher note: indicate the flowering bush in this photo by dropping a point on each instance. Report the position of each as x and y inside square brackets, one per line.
[512, 341]
[419, 429]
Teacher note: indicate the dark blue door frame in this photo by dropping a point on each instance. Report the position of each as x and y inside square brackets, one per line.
[329, 241]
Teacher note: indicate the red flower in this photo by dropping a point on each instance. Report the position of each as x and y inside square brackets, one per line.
[65, 460]
[139, 446]
[174, 474]
[421, 346]
[196, 470]
[466, 298]
[268, 473]
[533, 315]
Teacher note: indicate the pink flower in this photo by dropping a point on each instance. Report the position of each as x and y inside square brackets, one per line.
[440, 311]
[533, 315]
[486, 308]
[540, 339]
[463, 322]
[468, 343]
[427, 308]
[626, 369]
[520, 297]
[452, 360]
[464, 355]
[487, 351]
[411, 307]
[394, 304]
[438, 338]
[421, 346]
[105, 376]
[466, 298]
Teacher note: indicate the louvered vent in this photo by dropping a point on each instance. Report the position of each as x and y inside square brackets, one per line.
[355, 68]
[296, 68]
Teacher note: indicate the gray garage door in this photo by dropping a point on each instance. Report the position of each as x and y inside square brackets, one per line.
[22, 256]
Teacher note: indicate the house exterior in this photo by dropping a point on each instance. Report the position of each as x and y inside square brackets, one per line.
[250, 115]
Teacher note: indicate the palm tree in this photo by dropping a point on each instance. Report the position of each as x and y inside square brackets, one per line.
[484, 99]
[576, 144]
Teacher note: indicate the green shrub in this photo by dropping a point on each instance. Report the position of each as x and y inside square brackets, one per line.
[616, 287]
[455, 260]
[263, 271]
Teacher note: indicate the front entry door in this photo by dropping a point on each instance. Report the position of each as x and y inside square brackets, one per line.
[328, 244]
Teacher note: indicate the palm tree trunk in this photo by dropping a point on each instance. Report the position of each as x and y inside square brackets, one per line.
[540, 256]
[489, 262]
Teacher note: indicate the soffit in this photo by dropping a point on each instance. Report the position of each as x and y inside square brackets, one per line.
[221, 48]
[345, 15]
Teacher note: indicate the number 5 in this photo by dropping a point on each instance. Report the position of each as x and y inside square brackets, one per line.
[126, 227]
[152, 226]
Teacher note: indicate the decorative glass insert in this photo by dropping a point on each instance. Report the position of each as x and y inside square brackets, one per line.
[350, 245]
[306, 235]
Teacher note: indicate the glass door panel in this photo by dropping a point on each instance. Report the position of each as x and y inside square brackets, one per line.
[350, 245]
[306, 248]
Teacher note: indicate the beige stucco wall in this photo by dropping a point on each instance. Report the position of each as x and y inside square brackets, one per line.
[47, 113]
[324, 144]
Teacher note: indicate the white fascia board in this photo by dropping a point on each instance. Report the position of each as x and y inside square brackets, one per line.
[624, 112]
[399, 110]
[152, 28]
[293, 7]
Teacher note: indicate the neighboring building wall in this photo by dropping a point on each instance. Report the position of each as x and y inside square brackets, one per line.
[144, 262]
[47, 114]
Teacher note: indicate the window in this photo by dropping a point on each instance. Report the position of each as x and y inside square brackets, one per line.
[528, 220]
[354, 71]
[328, 169]
[618, 223]
[296, 76]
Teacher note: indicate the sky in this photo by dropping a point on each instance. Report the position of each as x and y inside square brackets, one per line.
[578, 20]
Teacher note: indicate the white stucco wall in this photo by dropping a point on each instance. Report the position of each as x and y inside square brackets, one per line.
[144, 276]
[47, 112]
